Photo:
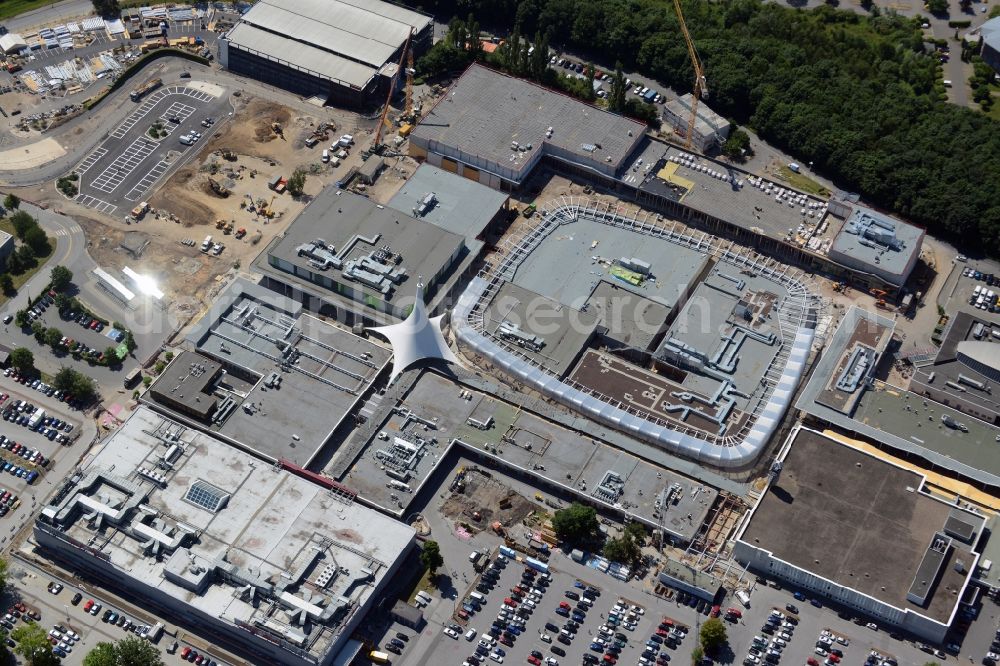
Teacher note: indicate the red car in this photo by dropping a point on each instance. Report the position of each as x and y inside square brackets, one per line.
[812, 662]
[87, 606]
[735, 612]
[563, 604]
[534, 661]
[834, 658]
[715, 611]
[610, 659]
[510, 602]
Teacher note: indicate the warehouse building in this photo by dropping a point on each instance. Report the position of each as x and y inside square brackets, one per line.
[252, 557]
[494, 129]
[710, 129]
[344, 51]
[868, 536]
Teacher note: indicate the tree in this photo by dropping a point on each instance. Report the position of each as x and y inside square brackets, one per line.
[60, 277]
[618, 96]
[23, 360]
[636, 531]
[11, 201]
[7, 284]
[33, 644]
[697, 654]
[430, 556]
[737, 146]
[129, 651]
[110, 354]
[38, 330]
[21, 319]
[713, 635]
[37, 240]
[26, 255]
[3, 575]
[65, 379]
[53, 337]
[106, 8]
[159, 367]
[575, 523]
[937, 6]
[21, 222]
[623, 549]
[77, 383]
[297, 183]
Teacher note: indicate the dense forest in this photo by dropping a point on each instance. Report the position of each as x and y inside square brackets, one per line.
[859, 96]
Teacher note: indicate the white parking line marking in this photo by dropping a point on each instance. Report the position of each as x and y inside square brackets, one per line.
[147, 181]
[97, 204]
[89, 162]
[123, 166]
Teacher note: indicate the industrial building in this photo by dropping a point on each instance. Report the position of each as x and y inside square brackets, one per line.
[356, 261]
[870, 242]
[868, 536]
[913, 424]
[965, 369]
[733, 356]
[266, 376]
[459, 205]
[345, 52]
[494, 129]
[252, 557]
[710, 129]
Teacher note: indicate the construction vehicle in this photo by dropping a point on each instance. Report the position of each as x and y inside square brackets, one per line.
[220, 223]
[140, 210]
[240, 233]
[227, 228]
[700, 84]
[218, 187]
[277, 129]
[408, 115]
[145, 88]
[877, 293]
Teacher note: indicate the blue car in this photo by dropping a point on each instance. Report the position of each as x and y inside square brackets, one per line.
[597, 647]
[500, 651]
[32, 475]
[562, 611]
[799, 596]
[514, 630]
[580, 585]
[816, 602]
[578, 617]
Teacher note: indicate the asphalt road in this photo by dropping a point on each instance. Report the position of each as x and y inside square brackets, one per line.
[57, 12]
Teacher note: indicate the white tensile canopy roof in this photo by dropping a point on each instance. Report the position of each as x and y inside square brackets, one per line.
[416, 338]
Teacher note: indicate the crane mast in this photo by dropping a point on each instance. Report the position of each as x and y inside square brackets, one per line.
[700, 84]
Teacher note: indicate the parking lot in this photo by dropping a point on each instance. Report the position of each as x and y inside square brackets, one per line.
[82, 334]
[126, 166]
[563, 619]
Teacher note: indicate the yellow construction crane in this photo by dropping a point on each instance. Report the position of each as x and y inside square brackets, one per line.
[408, 116]
[700, 84]
[383, 122]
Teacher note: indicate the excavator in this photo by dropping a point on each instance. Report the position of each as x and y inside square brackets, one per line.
[700, 83]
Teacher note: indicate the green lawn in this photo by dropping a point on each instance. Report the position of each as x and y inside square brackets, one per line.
[423, 585]
[802, 182]
[22, 279]
[10, 8]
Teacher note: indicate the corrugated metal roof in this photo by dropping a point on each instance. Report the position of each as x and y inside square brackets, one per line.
[311, 58]
[359, 30]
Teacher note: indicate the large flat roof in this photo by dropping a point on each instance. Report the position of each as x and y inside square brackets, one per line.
[902, 419]
[270, 529]
[568, 265]
[248, 331]
[877, 240]
[347, 221]
[461, 206]
[573, 460]
[858, 521]
[344, 40]
[770, 208]
[554, 334]
[484, 112]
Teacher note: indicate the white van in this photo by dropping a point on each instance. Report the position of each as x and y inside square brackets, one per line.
[644, 91]
[326, 155]
[206, 244]
[947, 83]
[478, 597]
[470, 635]
[743, 597]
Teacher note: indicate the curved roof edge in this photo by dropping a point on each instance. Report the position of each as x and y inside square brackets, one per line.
[742, 453]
